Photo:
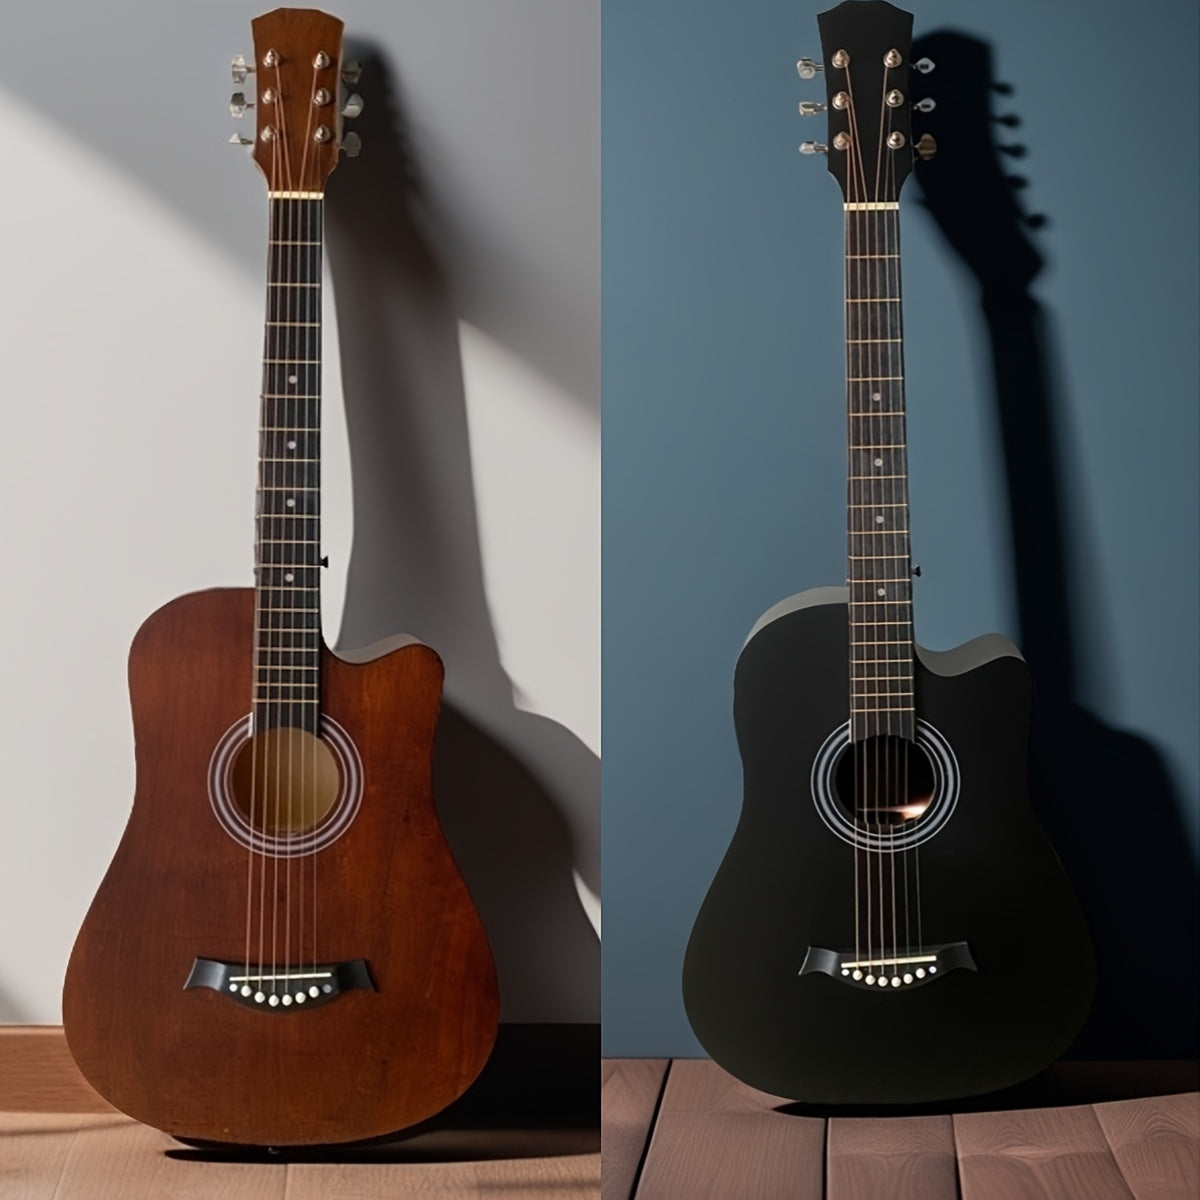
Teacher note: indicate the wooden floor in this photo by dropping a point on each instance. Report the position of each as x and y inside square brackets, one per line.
[60, 1141]
[684, 1128]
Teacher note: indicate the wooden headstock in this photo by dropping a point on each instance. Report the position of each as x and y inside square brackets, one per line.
[298, 72]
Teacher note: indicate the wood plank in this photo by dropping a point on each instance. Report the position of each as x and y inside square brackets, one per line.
[1156, 1143]
[903, 1158]
[629, 1091]
[115, 1158]
[1038, 1154]
[562, 1177]
[33, 1151]
[38, 1074]
[716, 1137]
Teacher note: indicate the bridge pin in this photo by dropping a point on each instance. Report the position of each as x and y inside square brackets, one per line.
[920, 972]
[845, 970]
[882, 981]
[857, 974]
[327, 988]
[259, 997]
[245, 989]
[287, 998]
[908, 979]
[233, 987]
[314, 991]
[273, 1000]
[870, 978]
[933, 970]
[301, 997]
[895, 981]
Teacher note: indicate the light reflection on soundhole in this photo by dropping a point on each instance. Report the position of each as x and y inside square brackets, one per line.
[284, 781]
[884, 782]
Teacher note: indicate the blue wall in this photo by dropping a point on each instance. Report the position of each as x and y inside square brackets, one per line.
[724, 423]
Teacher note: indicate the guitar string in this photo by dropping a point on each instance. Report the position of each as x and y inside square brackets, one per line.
[874, 220]
[856, 178]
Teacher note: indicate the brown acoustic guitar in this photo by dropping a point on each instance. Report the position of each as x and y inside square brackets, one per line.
[283, 951]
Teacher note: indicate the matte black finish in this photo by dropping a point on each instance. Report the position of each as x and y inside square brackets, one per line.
[990, 878]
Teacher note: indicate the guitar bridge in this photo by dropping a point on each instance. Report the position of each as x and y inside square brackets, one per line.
[280, 988]
[893, 972]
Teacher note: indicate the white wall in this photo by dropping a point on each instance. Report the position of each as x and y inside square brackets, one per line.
[130, 332]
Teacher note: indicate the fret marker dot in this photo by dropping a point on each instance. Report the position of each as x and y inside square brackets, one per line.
[290, 502]
[289, 577]
[879, 462]
[879, 519]
[881, 592]
[293, 379]
[291, 445]
[876, 396]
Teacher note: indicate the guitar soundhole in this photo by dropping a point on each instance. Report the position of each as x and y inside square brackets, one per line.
[284, 781]
[885, 782]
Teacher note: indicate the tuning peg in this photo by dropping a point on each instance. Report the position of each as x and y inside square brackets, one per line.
[238, 105]
[1009, 119]
[351, 71]
[926, 147]
[351, 145]
[1017, 181]
[1004, 89]
[813, 148]
[240, 68]
[237, 139]
[1013, 150]
[810, 108]
[353, 106]
[926, 105]
[924, 65]
[1036, 220]
[807, 69]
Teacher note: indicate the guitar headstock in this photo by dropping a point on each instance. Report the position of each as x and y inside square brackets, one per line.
[867, 47]
[299, 103]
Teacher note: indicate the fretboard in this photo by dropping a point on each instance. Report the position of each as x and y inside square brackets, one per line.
[880, 567]
[287, 685]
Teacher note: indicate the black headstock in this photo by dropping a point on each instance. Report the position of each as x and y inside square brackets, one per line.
[867, 47]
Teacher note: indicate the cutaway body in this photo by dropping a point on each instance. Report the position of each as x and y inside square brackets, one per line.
[377, 914]
[991, 890]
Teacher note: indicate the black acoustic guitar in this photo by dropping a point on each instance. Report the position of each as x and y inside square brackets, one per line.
[890, 925]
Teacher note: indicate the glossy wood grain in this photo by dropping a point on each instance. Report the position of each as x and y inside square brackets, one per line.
[908, 1159]
[1156, 1144]
[717, 1138]
[197, 1064]
[630, 1089]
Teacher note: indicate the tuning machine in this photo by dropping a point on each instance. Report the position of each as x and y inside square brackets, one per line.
[806, 68]
[813, 148]
[238, 104]
[925, 106]
[810, 108]
[351, 145]
[240, 68]
[239, 139]
[352, 106]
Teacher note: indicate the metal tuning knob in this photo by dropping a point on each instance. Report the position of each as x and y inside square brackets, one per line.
[810, 108]
[926, 105]
[924, 65]
[807, 69]
[240, 68]
[351, 72]
[353, 106]
[351, 145]
[813, 148]
[238, 139]
[238, 104]
[926, 147]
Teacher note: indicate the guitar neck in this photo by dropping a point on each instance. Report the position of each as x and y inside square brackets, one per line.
[288, 542]
[881, 632]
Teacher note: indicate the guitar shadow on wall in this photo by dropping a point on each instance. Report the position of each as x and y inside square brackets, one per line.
[518, 794]
[1135, 877]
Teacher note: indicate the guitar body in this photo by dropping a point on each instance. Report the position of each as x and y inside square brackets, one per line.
[988, 878]
[398, 1042]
